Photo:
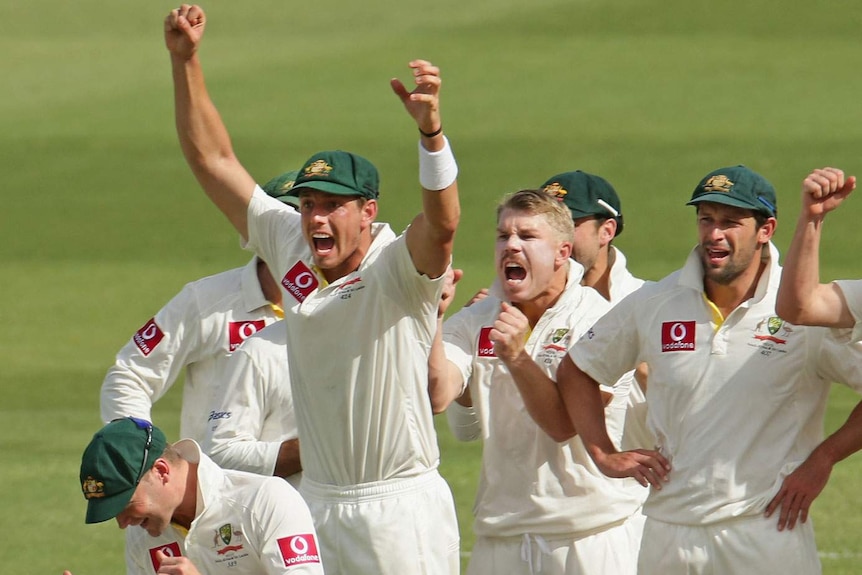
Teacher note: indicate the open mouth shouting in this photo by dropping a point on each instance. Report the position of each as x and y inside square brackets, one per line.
[514, 273]
[715, 256]
[323, 243]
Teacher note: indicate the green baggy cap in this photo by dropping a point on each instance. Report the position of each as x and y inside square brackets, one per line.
[340, 173]
[736, 186]
[586, 195]
[114, 462]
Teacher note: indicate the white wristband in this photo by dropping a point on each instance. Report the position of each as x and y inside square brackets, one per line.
[437, 170]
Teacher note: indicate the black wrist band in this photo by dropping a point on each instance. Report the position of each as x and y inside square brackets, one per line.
[436, 132]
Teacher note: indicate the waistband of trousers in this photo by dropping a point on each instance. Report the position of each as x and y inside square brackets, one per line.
[374, 490]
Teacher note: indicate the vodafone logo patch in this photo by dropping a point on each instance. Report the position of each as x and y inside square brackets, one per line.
[299, 549]
[148, 337]
[485, 347]
[239, 331]
[299, 281]
[677, 336]
[170, 550]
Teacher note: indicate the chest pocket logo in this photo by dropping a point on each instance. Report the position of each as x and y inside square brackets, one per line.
[299, 281]
[677, 336]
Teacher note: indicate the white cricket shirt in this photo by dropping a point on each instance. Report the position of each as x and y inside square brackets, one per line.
[735, 405]
[358, 353]
[245, 524]
[529, 482]
[253, 410]
[622, 282]
[196, 331]
[852, 290]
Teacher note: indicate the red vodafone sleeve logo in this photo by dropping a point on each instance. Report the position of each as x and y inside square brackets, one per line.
[148, 337]
[299, 549]
[299, 281]
[485, 347]
[170, 550]
[677, 336]
[239, 331]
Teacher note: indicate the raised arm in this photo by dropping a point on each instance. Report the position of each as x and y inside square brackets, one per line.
[432, 233]
[203, 137]
[802, 299]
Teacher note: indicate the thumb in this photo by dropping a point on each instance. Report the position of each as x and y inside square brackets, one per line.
[457, 274]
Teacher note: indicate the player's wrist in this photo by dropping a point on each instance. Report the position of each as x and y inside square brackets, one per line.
[432, 133]
[437, 170]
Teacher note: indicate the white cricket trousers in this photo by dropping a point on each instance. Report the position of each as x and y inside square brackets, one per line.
[738, 546]
[395, 527]
[612, 551]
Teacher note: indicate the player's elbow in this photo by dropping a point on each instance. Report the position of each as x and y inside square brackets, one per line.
[789, 310]
[562, 433]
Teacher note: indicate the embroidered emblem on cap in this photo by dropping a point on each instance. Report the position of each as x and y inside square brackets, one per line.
[93, 489]
[318, 168]
[555, 189]
[718, 184]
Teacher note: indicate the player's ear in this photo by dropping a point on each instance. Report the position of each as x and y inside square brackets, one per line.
[607, 231]
[766, 231]
[162, 470]
[564, 252]
[369, 213]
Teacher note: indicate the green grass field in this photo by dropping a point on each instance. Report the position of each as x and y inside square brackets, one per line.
[102, 221]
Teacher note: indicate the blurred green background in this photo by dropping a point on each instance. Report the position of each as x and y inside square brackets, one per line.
[103, 222]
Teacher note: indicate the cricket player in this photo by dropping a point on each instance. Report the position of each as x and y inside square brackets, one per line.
[195, 332]
[360, 314]
[185, 515]
[736, 396]
[542, 504]
[251, 424]
[597, 214]
[802, 298]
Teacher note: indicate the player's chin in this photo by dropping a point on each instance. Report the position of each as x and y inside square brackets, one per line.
[514, 293]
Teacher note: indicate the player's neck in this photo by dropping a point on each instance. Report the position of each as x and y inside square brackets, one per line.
[185, 513]
[536, 307]
[727, 297]
[598, 276]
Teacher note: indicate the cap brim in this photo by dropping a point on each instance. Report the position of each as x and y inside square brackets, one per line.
[581, 214]
[289, 200]
[328, 187]
[104, 508]
[723, 198]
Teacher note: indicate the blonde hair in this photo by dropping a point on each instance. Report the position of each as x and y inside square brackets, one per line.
[541, 203]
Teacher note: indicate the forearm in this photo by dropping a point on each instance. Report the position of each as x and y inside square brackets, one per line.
[431, 236]
[445, 383]
[585, 405]
[801, 274]
[844, 442]
[288, 462]
[541, 398]
[206, 143]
